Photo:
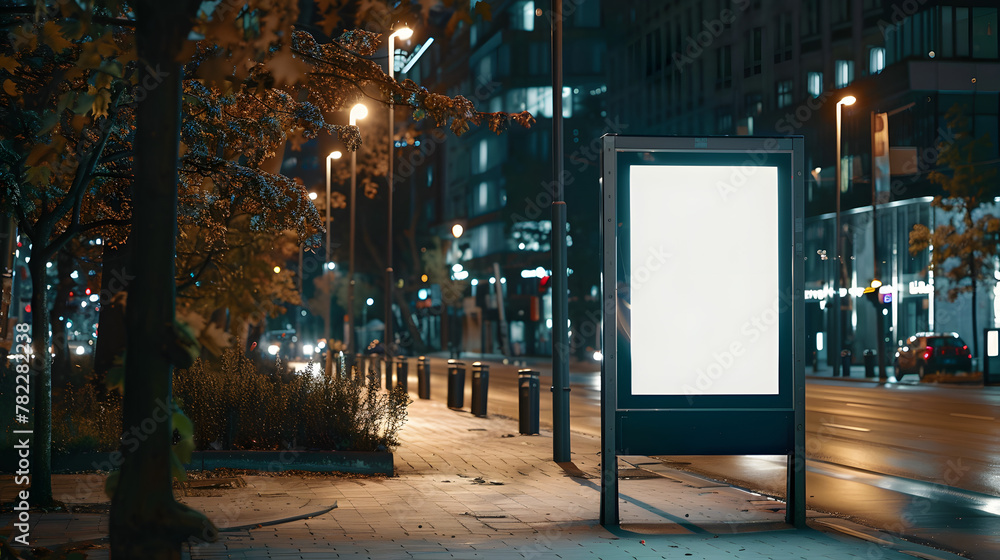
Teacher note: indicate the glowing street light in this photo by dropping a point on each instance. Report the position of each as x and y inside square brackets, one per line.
[359, 111]
[838, 260]
[403, 34]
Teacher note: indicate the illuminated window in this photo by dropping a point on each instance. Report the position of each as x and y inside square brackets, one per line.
[843, 73]
[814, 83]
[522, 16]
[876, 60]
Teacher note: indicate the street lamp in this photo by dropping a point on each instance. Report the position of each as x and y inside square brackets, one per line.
[359, 111]
[839, 260]
[403, 33]
[326, 262]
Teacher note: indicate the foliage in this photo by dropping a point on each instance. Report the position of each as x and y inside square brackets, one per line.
[86, 421]
[965, 247]
[235, 406]
[435, 265]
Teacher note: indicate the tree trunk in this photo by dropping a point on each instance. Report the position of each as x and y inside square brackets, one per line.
[413, 341]
[111, 317]
[62, 362]
[975, 312]
[41, 369]
[146, 522]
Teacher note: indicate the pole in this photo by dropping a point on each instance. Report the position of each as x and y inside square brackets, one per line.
[349, 343]
[326, 261]
[298, 316]
[389, 340]
[879, 318]
[835, 323]
[560, 297]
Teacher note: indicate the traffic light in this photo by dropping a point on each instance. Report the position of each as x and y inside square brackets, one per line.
[881, 300]
[544, 284]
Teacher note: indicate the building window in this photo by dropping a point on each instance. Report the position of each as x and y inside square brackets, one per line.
[784, 97]
[984, 33]
[840, 11]
[810, 18]
[587, 14]
[754, 104]
[538, 58]
[814, 83]
[522, 16]
[752, 54]
[724, 121]
[843, 73]
[783, 39]
[876, 60]
[724, 62]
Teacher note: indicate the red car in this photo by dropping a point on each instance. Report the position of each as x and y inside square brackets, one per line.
[925, 353]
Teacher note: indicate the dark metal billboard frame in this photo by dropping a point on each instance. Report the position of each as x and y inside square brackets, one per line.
[737, 424]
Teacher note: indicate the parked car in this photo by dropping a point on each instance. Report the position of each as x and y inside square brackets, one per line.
[925, 353]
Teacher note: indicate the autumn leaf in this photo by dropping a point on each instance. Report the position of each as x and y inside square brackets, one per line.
[101, 103]
[10, 88]
[285, 67]
[9, 63]
[330, 22]
[53, 36]
[38, 176]
[484, 11]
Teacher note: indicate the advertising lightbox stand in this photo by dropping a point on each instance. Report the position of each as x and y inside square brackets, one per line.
[703, 334]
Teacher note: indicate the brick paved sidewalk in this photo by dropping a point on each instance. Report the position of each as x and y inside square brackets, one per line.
[468, 487]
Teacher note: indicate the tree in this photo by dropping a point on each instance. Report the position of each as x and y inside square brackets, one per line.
[60, 126]
[87, 122]
[965, 247]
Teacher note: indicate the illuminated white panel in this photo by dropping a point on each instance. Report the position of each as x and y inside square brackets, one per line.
[703, 281]
[992, 349]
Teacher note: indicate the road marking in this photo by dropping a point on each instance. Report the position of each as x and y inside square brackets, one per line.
[842, 427]
[973, 416]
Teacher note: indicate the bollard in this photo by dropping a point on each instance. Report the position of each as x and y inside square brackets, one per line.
[387, 364]
[423, 377]
[480, 388]
[359, 364]
[869, 363]
[527, 401]
[845, 363]
[402, 373]
[456, 384]
[343, 364]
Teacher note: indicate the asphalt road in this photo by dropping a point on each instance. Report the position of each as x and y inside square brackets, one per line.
[919, 461]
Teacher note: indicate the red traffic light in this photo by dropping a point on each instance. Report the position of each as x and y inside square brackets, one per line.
[544, 284]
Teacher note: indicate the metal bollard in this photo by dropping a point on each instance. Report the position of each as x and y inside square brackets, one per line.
[423, 377]
[527, 401]
[456, 384]
[870, 363]
[402, 373]
[480, 388]
[359, 364]
[387, 364]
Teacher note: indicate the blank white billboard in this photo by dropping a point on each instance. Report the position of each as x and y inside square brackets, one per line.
[703, 280]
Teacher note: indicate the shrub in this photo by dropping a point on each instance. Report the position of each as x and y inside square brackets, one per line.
[235, 406]
[84, 421]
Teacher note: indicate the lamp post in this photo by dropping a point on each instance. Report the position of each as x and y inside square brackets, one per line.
[560, 293]
[402, 33]
[364, 320]
[359, 111]
[298, 319]
[835, 341]
[326, 260]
